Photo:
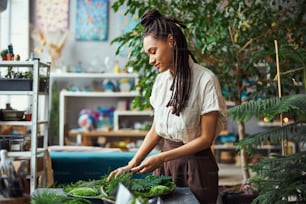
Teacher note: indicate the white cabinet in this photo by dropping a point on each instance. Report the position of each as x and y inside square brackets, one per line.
[39, 100]
[84, 90]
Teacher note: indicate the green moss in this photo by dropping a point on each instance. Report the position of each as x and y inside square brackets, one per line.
[83, 191]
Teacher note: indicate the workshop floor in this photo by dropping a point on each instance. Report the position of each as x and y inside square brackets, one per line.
[229, 174]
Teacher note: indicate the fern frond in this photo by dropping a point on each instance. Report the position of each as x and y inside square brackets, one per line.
[280, 177]
[294, 104]
[270, 107]
[246, 111]
[295, 132]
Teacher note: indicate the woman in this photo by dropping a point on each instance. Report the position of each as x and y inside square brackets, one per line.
[189, 112]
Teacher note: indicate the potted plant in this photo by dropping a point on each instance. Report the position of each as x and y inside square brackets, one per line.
[15, 80]
[233, 38]
[4, 54]
[277, 178]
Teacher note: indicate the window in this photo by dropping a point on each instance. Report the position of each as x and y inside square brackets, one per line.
[15, 29]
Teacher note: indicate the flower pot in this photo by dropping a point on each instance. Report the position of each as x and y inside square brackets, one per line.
[237, 198]
[28, 116]
[22, 85]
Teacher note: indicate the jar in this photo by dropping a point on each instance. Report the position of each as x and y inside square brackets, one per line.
[125, 85]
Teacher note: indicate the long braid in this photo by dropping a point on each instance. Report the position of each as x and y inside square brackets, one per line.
[160, 27]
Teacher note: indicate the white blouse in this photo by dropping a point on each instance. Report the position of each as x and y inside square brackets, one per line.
[205, 97]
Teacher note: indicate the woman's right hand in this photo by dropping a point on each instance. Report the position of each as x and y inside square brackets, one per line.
[119, 171]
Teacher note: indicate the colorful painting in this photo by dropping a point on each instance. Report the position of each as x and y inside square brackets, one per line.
[52, 16]
[92, 20]
[127, 23]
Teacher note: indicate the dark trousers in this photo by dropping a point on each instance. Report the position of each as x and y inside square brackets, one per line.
[198, 171]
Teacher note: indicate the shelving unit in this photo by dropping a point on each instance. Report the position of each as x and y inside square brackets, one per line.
[71, 102]
[135, 114]
[40, 116]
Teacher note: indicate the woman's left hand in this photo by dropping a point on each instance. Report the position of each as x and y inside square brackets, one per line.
[148, 165]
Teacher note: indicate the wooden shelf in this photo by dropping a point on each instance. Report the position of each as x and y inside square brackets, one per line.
[273, 124]
[92, 75]
[65, 93]
[86, 136]
[93, 98]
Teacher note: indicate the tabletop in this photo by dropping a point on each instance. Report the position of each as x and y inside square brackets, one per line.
[181, 195]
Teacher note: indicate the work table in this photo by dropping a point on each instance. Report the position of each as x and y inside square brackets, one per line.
[180, 195]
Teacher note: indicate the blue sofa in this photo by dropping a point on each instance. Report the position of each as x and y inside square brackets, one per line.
[69, 167]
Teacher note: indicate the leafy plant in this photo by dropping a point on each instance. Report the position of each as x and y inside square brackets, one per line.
[149, 186]
[235, 39]
[47, 197]
[54, 114]
[93, 184]
[4, 52]
[278, 178]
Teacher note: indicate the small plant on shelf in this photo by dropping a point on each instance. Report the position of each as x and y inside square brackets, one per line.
[4, 54]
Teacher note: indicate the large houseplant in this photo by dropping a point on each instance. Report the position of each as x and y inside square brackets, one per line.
[277, 178]
[233, 38]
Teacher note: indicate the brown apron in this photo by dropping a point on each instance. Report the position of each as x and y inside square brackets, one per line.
[198, 171]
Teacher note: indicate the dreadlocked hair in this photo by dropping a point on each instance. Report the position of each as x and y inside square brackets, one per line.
[159, 27]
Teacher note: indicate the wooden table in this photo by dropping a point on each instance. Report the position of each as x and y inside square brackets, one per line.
[87, 135]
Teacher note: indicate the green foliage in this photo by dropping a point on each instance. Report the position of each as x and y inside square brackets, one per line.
[295, 105]
[159, 189]
[54, 114]
[110, 186]
[83, 191]
[4, 52]
[139, 187]
[270, 107]
[94, 184]
[280, 177]
[233, 38]
[47, 197]
[146, 184]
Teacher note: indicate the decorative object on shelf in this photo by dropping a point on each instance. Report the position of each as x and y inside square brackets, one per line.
[12, 115]
[124, 85]
[28, 114]
[8, 54]
[107, 114]
[109, 85]
[45, 42]
[116, 67]
[86, 119]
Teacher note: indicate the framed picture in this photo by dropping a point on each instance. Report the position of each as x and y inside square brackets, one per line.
[52, 16]
[92, 20]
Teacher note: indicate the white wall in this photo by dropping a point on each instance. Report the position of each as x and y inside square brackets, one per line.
[87, 51]
[14, 29]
